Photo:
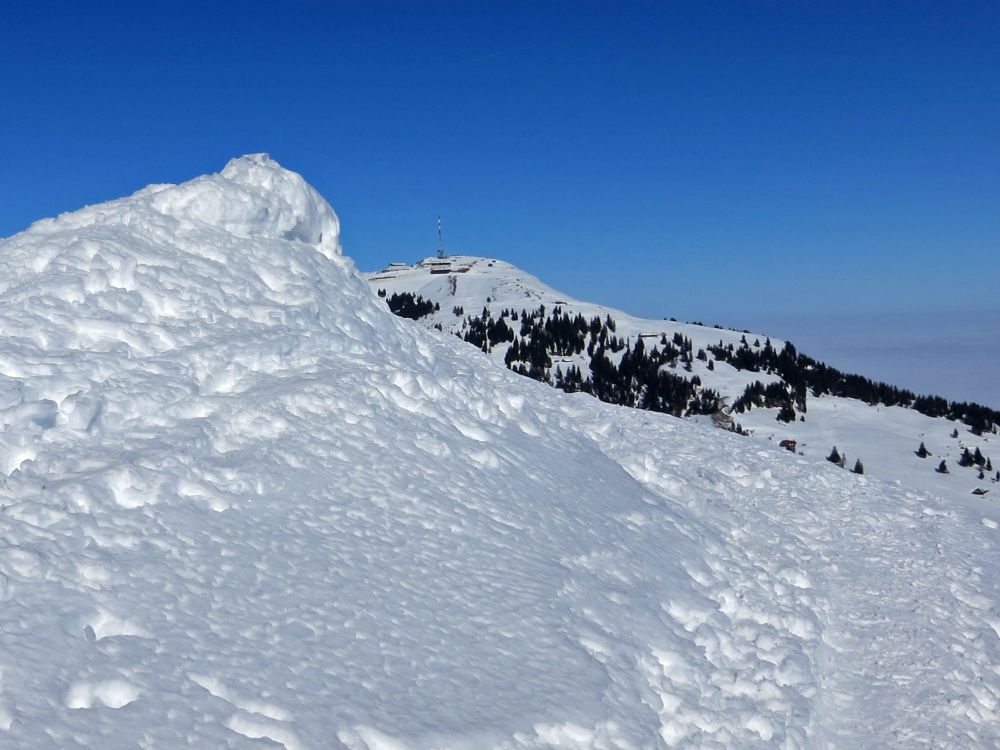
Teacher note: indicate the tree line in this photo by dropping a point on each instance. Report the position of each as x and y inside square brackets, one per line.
[644, 378]
[802, 374]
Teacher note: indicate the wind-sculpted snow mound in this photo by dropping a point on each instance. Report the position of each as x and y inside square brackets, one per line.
[245, 506]
[254, 197]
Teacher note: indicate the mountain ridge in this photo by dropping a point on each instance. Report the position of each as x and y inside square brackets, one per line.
[741, 379]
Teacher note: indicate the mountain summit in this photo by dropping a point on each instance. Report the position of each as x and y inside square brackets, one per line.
[750, 383]
[242, 505]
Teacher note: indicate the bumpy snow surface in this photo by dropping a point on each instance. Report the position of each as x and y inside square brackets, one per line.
[245, 506]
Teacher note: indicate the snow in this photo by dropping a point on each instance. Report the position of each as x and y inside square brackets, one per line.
[244, 506]
[883, 438]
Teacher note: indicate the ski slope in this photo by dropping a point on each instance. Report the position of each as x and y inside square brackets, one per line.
[885, 439]
[244, 506]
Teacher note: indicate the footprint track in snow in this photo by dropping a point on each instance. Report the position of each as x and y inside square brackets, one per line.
[115, 693]
[257, 719]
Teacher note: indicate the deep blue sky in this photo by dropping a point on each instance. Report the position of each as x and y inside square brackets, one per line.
[730, 162]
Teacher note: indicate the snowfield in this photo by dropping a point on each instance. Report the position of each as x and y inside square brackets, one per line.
[244, 506]
[885, 439]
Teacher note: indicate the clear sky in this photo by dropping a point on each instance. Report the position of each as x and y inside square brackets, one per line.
[729, 162]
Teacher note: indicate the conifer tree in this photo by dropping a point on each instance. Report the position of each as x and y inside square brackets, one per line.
[978, 457]
[922, 451]
[858, 467]
[942, 467]
[966, 459]
[834, 457]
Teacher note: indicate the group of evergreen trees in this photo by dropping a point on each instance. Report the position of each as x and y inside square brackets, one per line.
[801, 374]
[775, 394]
[836, 457]
[484, 332]
[979, 418]
[409, 305]
[968, 459]
[639, 378]
[976, 461]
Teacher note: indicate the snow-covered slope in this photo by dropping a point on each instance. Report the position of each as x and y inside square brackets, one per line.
[245, 506]
[884, 438]
[497, 285]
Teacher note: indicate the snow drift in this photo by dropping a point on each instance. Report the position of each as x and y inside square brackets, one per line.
[245, 506]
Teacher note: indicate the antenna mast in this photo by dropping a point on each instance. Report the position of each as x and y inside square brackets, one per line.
[440, 239]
